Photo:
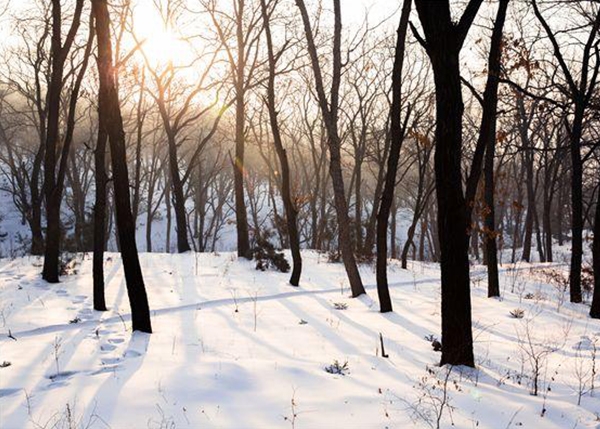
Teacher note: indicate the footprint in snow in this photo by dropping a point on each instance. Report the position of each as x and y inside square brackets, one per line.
[131, 354]
[61, 292]
[8, 392]
[79, 299]
[105, 369]
[107, 347]
[110, 360]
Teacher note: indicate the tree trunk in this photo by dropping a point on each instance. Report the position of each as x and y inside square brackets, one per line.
[241, 216]
[100, 218]
[444, 41]
[111, 112]
[291, 211]
[179, 200]
[397, 131]
[576, 205]
[53, 179]
[488, 134]
[329, 111]
[595, 310]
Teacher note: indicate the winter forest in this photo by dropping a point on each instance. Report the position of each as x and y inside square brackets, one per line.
[299, 214]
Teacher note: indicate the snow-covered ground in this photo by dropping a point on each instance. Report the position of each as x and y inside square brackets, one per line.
[236, 348]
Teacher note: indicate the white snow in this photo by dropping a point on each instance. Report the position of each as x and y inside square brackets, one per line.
[237, 348]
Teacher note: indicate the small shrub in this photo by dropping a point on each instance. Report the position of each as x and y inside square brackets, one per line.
[68, 265]
[517, 313]
[435, 343]
[338, 369]
[334, 256]
[340, 305]
[529, 295]
[5, 364]
[75, 320]
[267, 257]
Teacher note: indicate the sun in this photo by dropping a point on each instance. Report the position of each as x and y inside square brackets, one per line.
[161, 45]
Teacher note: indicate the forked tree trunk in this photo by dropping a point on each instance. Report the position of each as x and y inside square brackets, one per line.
[329, 111]
[111, 112]
[443, 42]
[53, 181]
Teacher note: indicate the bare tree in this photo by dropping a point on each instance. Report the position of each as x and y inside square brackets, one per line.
[329, 111]
[397, 132]
[443, 42]
[579, 91]
[291, 211]
[110, 112]
[53, 178]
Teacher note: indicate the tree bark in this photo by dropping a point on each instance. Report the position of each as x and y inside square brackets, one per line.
[111, 112]
[397, 132]
[443, 42]
[488, 134]
[329, 111]
[101, 181]
[53, 185]
[595, 310]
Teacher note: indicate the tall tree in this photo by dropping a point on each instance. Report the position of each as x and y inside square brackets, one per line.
[110, 112]
[55, 155]
[595, 310]
[329, 111]
[487, 133]
[397, 132]
[291, 211]
[101, 182]
[579, 90]
[242, 55]
[443, 42]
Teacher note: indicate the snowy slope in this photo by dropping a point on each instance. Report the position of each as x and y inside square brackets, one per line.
[236, 348]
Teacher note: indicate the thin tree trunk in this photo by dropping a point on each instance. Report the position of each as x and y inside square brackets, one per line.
[595, 310]
[329, 111]
[100, 217]
[291, 211]
[397, 132]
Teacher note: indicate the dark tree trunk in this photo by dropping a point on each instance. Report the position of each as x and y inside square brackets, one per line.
[529, 218]
[53, 179]
[37, 237]
[491, 251]
[488, 134]
[111, 112]
[241, 216]
[397, 131]
[595, 310]
[576, 205]
[580, 90]
[291, 211]
[443, 42]
[101, 181]
[178, 197]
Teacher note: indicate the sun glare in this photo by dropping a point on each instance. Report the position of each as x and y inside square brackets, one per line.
[161, 45]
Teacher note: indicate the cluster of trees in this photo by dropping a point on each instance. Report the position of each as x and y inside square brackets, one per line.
[477, 122]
